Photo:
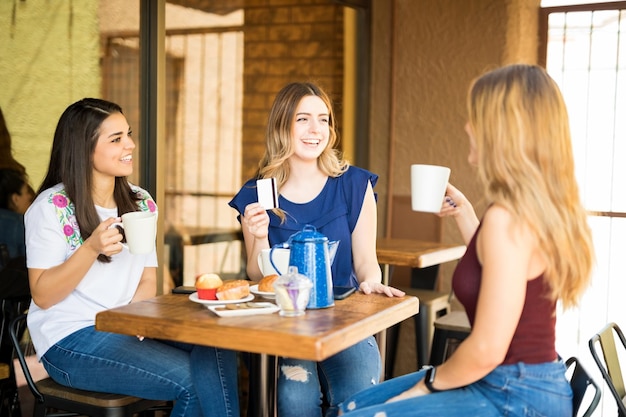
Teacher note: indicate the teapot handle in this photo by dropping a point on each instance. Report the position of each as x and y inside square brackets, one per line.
[284, 245]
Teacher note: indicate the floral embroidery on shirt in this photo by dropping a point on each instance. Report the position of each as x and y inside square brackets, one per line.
[67, 218]
[146, 203]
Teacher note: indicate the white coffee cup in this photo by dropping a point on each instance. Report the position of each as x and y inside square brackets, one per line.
[140, 231]
[280, 256]
[428, 187]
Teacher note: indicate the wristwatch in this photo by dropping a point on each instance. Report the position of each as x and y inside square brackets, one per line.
[429, 378]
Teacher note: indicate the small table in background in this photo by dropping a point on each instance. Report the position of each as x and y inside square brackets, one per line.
[415, 254]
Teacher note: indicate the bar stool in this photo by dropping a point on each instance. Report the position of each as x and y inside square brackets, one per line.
[453, 326]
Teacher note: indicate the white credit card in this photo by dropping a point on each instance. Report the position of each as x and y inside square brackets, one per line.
[267, 192]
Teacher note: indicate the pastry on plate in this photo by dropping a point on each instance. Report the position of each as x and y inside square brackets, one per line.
[233, 290]
[207, 285]
[267, 283]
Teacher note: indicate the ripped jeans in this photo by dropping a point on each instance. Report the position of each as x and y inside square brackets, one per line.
[302, 385]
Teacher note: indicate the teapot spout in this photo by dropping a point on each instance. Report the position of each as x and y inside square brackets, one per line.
[332, 250]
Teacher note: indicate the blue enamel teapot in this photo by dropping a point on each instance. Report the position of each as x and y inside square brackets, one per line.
[312, 253]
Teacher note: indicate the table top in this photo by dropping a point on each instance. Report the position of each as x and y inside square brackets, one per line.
[316, 336]
[416, 253]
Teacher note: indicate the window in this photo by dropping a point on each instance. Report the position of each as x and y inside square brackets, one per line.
[586, 55]
[204, 94]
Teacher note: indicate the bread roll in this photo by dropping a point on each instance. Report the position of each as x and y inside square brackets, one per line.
[267, 283]
[233, 290]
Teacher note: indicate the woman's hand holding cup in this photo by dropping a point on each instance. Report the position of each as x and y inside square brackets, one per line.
[139, 231]
[105, 239]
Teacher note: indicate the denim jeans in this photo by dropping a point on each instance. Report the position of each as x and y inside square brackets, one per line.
[201, 380]
[303, 384]
[509, 390]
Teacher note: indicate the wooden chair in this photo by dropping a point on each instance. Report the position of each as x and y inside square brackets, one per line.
[51, 397]
[580, 381]
[433, 304]
[409, 224]
[452, 326]
[605, 342]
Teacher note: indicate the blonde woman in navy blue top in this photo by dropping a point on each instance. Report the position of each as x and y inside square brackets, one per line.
[317, 187]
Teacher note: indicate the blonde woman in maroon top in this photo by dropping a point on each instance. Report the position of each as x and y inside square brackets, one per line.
[532, 248]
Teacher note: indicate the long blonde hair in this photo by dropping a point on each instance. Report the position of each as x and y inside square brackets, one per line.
[278, 140]
[521, 126]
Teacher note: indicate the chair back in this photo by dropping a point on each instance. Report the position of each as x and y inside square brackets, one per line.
[580, 381]
[604, 342]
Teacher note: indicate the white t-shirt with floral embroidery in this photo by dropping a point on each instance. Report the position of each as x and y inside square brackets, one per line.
[52, 236]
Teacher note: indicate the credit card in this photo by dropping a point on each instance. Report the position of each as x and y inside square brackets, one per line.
[267, 193]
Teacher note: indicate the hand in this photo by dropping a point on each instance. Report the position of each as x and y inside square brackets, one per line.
[368, 287]
[453, 202]
[256, 220]
[416, 391]
[106, 239]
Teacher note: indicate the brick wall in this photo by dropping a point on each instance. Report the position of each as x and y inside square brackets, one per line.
[285, 41]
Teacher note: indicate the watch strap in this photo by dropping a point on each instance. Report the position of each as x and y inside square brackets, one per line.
[429, 378]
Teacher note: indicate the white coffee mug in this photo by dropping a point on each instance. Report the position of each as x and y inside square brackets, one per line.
[280, 258]
[428, 187]
[140, 231]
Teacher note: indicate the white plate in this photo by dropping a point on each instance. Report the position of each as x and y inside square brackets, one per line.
[194, 297]
[254, 289]
[260, 308]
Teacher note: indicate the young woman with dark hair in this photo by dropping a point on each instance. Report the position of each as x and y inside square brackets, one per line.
[78, 267]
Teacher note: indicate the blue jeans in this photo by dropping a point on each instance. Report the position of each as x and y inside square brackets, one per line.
[539, 390]
[201, 380]
[303, 384]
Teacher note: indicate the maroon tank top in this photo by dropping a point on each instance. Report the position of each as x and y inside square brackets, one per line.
[533, 341]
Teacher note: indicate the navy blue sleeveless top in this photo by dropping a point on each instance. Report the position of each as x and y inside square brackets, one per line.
[334, 213]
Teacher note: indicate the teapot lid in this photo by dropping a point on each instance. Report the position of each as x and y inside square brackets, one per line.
[308, 234]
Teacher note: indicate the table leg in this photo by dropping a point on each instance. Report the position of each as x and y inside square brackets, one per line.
[176, 257]
[382, 336]
[423, 341]
[262, 395]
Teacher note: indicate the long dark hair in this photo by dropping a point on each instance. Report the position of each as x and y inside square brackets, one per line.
[71, 162]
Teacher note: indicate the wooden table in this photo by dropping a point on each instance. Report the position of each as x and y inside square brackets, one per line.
[315, 336]
[415, 254]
